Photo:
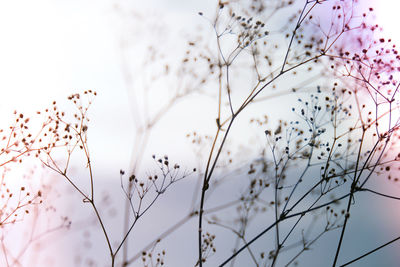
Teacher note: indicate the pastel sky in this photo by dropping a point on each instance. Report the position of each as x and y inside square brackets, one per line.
[52, 48]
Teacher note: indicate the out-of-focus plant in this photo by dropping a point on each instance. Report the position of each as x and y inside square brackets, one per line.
[304, 173]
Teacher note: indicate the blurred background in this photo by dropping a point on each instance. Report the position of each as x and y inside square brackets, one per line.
[52, 49]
